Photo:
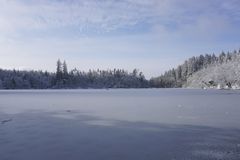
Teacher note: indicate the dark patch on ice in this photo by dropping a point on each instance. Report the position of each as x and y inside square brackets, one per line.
[6, 120]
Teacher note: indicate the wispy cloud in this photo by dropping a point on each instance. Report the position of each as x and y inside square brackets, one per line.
[130, 30]
[94, 15]
[88, 16]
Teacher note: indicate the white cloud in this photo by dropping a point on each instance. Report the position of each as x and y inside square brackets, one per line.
[102, 15]
[183, 27]
[109, 15]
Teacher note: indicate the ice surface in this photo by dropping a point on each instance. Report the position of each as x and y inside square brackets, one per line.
[175, 106]
[120, 124]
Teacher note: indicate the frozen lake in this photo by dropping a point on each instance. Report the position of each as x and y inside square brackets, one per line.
[120, 124]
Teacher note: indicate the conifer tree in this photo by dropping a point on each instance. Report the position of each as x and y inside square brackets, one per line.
[59, 72]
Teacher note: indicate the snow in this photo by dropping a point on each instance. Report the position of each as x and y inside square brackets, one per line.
[220, 74]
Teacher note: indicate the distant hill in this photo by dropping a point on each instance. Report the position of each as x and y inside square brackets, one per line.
[225, 75]
[204, 71]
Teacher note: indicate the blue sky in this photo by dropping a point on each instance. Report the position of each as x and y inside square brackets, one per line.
[151, 35]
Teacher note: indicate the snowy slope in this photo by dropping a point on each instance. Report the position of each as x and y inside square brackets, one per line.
[217, 76]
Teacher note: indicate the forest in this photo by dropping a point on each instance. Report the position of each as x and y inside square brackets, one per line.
[194, 72]
[189, 72]
[116, 78]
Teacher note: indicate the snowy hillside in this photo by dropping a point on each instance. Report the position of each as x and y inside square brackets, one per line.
[204, 71]
[225, 75]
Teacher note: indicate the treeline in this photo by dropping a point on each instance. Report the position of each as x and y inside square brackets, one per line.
[177, 77]
[116, 78]
[14, 79]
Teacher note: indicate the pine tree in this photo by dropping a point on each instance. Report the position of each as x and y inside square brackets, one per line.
[65, 70]
[59, 73]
